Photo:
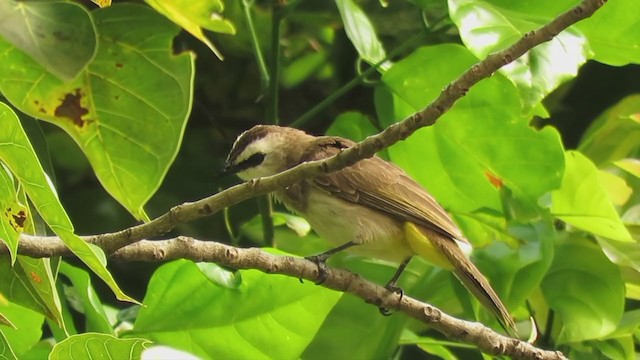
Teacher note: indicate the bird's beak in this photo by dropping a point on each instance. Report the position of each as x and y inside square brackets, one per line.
[228, 169]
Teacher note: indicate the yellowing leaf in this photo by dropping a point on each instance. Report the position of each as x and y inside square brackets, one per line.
[193, 16]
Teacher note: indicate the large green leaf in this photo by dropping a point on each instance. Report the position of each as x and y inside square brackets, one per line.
[187, 311]
[98, 346]
[582, 201]
[127, 110]
[614, 32]
[516, 272]
[482, 140]
[28, 327]
[615, 134]
[18, 155]
[6, 352]
[59, 35]
[485, 27]
[194, 16]
[584, 289]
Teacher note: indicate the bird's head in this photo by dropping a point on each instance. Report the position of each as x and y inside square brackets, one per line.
[265, 150]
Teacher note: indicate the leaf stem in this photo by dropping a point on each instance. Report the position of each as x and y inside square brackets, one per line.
[247, 5]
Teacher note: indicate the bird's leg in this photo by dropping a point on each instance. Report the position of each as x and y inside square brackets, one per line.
[393, 287]
[321, 260]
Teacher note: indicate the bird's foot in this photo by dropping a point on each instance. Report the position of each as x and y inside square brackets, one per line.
[321, 263]
[391, 286]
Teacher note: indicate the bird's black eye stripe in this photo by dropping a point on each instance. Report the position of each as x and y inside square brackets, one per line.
[253, 160]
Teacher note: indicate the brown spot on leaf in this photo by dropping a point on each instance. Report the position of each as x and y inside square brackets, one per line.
[36, 277]
[494, 180]
[119, 65]
[20, 218]
[71, 108]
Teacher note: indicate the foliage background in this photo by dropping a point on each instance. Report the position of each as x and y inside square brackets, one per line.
[556, 229]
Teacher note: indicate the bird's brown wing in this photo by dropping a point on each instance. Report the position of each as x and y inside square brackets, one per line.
[383, 186]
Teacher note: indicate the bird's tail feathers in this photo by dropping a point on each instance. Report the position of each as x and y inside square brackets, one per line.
[473, 280]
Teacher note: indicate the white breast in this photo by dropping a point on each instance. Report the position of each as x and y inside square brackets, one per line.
[339, 221]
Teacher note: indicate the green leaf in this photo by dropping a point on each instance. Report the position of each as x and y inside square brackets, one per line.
[481, 139]
[30, 283]
[615, 134]
[584, 289]
[302, 68]
[18, 155]
[371, 335]
[187, 311]
[352, 125]
[59, 35]
[485, 27]
[582, 201]
[220, 276]
[193, 16]
[93, 310]
[432, 346]
[98, 346]
[516, 272]
[361, 33]
[28, 329]
[130, 130]
[616, 188]
[632, 166]
[14, 214]
[621, 348]
[614, 32]
[621, 253]
[6, 353]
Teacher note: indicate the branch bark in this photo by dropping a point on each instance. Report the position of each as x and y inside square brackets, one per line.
[474, 333]
[127, 244]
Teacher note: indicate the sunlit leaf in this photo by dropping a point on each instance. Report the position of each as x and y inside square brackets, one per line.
[485, 27]
[194, 16]
[484, 133]
[130, 130]
[617, 189]
[18, 155]
[582, 201]
[98, 346]
[361, 33]
[59, 35]
[185, 310]
[614, 32]
[28, 327]
[584, 289]
[632, 166]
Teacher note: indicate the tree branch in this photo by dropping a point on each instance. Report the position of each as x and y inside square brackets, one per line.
[475, 333]
[186, 212]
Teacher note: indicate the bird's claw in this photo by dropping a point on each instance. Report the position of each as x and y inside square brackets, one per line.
[320, 262]
[392, 287]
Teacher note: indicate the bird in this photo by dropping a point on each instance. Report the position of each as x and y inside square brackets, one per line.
[372, 208]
